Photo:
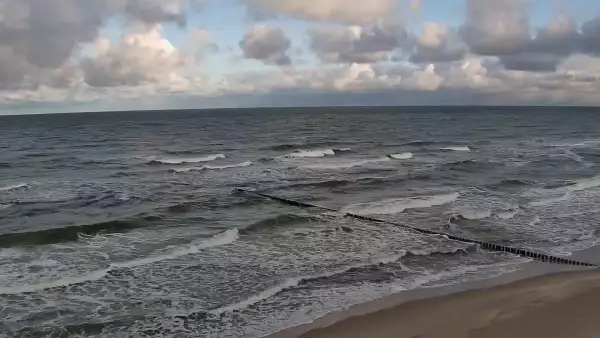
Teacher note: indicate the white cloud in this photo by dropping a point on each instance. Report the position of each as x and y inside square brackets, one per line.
[359, 12]
[140, 58]
[426, 79]
[438, 43]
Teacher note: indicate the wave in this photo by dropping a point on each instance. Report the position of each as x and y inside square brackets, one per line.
[479, 214]
[585, 184]
[509, 184]
[220, 239]
[567, 145]
[469, 165]
[294, 146]
[508, 214]
[14, 187]
[210, 167]
[403, 156]
[398, 205]
[319, 184]
[314, 153]
[549, 201]
[310, 153]
[421, 143]
[463, 149]
[345, 165]
[71, 233]
[292, 282]
[5, 206]
[186, 160]
[474, 214]
[279, 221]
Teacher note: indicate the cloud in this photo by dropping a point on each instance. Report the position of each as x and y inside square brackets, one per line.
[501, 28]
[201, 43]
[267, 44]
[590, 36]
[39, 38]
[534, 62]
[355, 44]
[155, 11]
[139, 58]
[496, 27]
[438, 43]
[345, 11]
[426, 79]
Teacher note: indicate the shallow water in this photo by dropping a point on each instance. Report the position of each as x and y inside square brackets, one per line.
[121, 224]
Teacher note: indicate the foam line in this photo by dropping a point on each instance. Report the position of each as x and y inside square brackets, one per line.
[485, 246]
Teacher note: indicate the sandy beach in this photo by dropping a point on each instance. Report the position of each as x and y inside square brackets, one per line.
[557, 305]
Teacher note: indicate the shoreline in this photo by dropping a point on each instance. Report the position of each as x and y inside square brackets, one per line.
[531, 274]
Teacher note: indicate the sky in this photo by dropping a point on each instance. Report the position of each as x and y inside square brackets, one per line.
[91, 55]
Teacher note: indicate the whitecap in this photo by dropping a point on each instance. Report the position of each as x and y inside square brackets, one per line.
[207, 158]
[220, 239]
[585, 184]
[398, 205]
[345, 164]
[473, 214]
[210, 167]
[402, 156]
[309, 154]
[465, 149]
[549, 201]
[14, 187]
[507, 214]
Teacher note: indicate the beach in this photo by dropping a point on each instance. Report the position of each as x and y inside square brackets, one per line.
[557, 305]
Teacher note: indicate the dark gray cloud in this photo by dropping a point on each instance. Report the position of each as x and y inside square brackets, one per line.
[356, 44]
[501, 28]
[496, 27]
[559, 37]
[590, 36]
[155, 12]
[534, 62]
[267, 44]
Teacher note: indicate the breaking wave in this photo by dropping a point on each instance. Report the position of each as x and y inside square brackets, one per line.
[345, 165]
[223, 238]
[187, 159]
[211, 167]
[72, 233]
[14, 187]
[585, 184]
[313, 153]
[403, 156]
[463, 149]
[279, 221]
[376, 262]
[398, 205]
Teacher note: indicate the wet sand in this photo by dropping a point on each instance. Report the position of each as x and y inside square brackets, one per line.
[565, 304]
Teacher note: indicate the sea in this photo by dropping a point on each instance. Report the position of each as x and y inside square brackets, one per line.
[129, 224]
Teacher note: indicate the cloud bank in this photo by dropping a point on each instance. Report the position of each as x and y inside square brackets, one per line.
[59, 50]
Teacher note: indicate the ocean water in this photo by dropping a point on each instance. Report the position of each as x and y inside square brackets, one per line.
[128, 225]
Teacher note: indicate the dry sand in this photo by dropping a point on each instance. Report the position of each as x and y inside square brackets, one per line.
[565, 305]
